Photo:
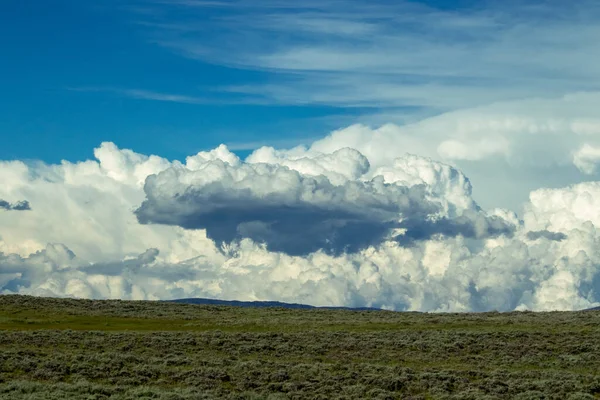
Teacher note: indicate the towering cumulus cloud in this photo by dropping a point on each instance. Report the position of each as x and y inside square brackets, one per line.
[324, 225]
[300, 213]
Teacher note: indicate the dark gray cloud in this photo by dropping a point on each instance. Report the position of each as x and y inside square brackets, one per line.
[472, 224]
[298, 214]
[19, 206]
[555, 236]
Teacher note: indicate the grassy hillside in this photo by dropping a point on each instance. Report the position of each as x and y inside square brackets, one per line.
[81, 349]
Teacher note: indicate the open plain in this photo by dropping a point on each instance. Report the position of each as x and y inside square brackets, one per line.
[84, 349]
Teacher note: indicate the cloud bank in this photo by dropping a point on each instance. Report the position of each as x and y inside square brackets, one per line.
[308, 225]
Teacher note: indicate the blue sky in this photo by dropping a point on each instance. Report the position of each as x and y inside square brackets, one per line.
[175, 77]
[65, 63]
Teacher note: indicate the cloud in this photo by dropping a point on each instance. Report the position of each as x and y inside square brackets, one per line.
[299, 206]
[175, 98]
[535, 235]
[338, 167]
[19, 206]
[534, 131]
[507, 149]
[142, 94]
[376, 54]
[87, 206]
[57, 270]
[587, 158]
[82, 239]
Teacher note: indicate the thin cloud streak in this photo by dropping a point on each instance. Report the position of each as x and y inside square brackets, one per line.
[282, 143]
[176, 98]
[146, 95]
[142, 94]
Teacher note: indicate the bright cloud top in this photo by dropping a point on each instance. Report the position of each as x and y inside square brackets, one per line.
[337, 227]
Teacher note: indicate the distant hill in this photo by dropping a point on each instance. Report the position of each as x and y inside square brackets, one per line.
[262, 304]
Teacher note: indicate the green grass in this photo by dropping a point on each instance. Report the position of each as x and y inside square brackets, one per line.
[81, 349]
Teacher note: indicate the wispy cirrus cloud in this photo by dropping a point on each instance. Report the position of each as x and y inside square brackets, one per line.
[390, 55]
[149, 95]
[146, 95]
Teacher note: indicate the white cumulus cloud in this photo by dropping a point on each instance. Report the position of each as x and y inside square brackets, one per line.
[338, 227]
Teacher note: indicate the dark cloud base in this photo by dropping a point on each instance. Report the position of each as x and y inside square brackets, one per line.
[303, 228]
[19, 206]
[555, 236]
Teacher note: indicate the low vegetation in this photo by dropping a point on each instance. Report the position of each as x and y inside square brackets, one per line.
[82, 349]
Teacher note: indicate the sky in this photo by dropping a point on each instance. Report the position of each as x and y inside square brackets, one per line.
[413, 155]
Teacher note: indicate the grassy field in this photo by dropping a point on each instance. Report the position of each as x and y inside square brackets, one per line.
[82, 349]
